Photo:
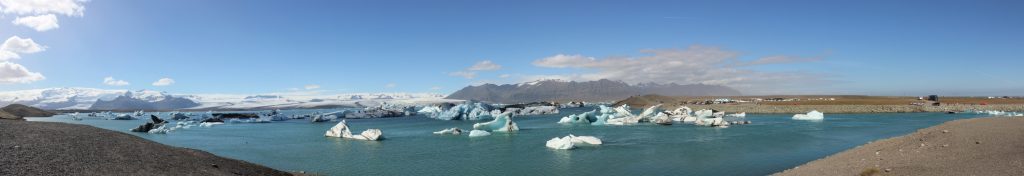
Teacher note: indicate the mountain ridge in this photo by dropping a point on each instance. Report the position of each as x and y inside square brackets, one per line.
[603, 90]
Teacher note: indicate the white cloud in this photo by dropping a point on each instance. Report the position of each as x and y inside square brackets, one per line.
[114, 82]
[17, 44]
[33, 7]
[7, 55]
[311, 87]
[391, 85]
[693, 65]
[504, 75]
[486, 65]
[464, 74]
[11, 73]
[39, 22]
[563, 61]
[161, 82]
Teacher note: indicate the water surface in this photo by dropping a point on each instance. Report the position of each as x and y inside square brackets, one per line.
[771, 144]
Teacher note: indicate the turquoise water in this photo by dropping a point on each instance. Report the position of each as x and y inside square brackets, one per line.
[771, 144]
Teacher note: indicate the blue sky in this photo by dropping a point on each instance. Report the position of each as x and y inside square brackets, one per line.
[815, 47]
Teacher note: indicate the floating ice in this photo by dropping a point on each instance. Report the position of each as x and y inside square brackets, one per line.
[123, 117]
[341, 130]
[740, 115]
[210, 124]
[465, 111]
[571, 141]
[582, 118]
[813, 115]
[502, 123]
[453, 131]
[478, 133]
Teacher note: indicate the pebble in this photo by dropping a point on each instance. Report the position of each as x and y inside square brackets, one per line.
[888, 170]
[945, 145]
[977, 142]
[215, 166]
[945, 131]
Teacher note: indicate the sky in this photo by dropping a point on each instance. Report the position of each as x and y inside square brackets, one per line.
[759, 47]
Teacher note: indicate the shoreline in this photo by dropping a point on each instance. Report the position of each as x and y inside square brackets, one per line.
[54, 148]
[979, 146]
[799, 109]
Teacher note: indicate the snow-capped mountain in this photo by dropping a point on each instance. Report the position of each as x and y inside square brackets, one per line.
[59, 98]
[100, 99]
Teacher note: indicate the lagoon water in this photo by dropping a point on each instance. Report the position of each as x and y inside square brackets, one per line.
[771, 144]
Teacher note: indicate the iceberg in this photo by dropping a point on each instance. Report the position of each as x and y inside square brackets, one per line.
[155, 122]
[527, 109]
[452, 131]
[582, 118]
[739, 115]
[571, 141]
[813, 115]
[478, 133]
[179, 116]
[465, 111]
[210, 124]
[502, 123]
[341, 130]
[123, 117]
[662, 119]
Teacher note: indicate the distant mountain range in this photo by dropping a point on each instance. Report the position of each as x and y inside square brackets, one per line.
[125, 100]
[593, 91]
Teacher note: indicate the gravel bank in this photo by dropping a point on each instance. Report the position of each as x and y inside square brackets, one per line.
[794, 109]
[47, 148]
[981, 146]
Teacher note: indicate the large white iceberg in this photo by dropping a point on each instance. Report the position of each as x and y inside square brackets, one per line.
[478, 133]
[813, 115]
[571, 141]
[341, 130]
[502, 123]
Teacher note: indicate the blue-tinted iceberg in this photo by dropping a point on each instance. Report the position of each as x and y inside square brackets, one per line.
[501, 123]
[465, 111]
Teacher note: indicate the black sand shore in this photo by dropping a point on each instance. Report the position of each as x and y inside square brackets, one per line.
[47, 148]
[981, 146]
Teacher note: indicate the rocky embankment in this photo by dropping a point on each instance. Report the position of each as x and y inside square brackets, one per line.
[48, 148]
[19, 112]
[791, 109]
[980, 146]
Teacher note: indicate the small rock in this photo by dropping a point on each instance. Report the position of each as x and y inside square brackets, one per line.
[888, 170]
[945, 131]
[977, 142]
[215, 166]
[922, 144]
[945, 145]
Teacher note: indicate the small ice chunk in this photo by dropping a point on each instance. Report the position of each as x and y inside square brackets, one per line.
[453, 131]
[478, 133]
